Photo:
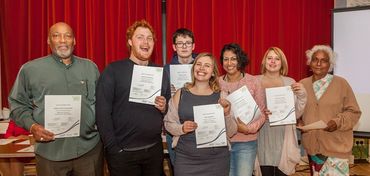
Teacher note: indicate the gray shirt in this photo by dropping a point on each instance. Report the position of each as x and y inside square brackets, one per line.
[271, 138]
[50, 76]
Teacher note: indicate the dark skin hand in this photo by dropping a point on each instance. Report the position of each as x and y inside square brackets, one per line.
[41, 134]
[332, 126]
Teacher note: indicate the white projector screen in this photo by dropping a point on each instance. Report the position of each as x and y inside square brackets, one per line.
[351, 41]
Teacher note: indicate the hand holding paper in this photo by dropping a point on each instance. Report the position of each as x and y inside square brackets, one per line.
[226, 105]
[243, 105]
[189, 126]
[146, 84]
[160, 103]
[62, 115]
[280, 101]
[180, 74]
[313, 126]
[211, 130]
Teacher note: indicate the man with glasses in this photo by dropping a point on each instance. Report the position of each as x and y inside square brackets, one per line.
[60, 73]
[183, 45]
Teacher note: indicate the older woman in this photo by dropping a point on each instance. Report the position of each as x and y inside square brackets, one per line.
[278, 151]
[179, 121]
[330, 99]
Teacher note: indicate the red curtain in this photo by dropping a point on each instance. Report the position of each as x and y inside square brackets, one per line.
[256, 25]
[99, 26]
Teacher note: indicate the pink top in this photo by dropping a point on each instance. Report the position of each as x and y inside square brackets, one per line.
[14, 130]
[257, 92]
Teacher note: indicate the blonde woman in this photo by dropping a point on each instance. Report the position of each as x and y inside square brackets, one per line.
[179, 121]
[278, 151]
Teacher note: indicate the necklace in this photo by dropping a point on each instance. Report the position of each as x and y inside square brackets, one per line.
[229, 84]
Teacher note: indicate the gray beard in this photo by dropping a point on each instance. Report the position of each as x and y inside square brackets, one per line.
[64, 55]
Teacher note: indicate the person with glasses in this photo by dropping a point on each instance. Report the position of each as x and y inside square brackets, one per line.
[60, 73]
[244, 143]
[131, 132]
[330, 99]
[183, 46]
[278, 151]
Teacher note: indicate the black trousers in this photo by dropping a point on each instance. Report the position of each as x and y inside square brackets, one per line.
[271, 171]
[145, 162]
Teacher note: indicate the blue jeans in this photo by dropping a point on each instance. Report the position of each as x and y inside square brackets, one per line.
[242, 158]
[171, 152]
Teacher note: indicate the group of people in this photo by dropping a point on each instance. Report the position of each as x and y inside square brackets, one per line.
[128, 134]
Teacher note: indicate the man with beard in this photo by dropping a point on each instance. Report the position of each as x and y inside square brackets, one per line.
[131, 132]
[60, 73]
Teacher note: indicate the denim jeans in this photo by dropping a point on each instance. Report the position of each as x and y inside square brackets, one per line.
[171, 152]
[243, 156]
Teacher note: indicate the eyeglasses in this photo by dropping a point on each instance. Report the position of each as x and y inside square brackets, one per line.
[182, 44]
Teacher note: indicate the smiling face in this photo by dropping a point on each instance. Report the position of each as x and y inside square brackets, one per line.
[273, 62]
[230, 62]
[203, 69]
[61, 40]
[141, 44]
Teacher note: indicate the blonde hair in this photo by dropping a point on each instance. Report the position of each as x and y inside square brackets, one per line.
[323, 48]
[284, 63]
[213, 82]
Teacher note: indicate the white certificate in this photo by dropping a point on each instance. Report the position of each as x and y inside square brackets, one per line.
[280, 102]
[243, 105]
[146, 84]
[211, 131]
[180, 74]
[27, 149]
[3, 127]
[63, 115]
[314, 126]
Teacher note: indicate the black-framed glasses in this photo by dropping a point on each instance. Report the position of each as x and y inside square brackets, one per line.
[182, 44]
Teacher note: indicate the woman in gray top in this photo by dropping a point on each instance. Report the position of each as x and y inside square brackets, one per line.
[278, 151]
[179, 121]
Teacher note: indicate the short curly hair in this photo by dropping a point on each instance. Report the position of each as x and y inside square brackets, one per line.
[327, 50]
[130, 30]
[241, 56]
